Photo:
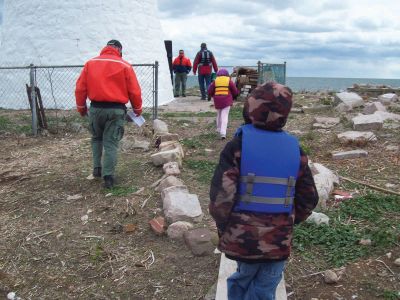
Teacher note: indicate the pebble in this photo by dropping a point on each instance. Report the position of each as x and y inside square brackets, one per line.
[397, 262]
[365, 242]
[330, 277]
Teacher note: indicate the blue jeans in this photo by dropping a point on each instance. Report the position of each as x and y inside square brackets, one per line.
[204, 79]
[255, 281]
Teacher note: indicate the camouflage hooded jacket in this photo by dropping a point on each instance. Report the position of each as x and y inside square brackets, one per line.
[249, 236]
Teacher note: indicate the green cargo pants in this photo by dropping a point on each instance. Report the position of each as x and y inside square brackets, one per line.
[180, 79]
[107, 128]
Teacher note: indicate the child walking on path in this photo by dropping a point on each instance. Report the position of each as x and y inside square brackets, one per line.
[261, 187]
[223, 90]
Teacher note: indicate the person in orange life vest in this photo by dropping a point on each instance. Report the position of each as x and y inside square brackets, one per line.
[181, 67]
[223, 90]
[109, 82]
[205, 61]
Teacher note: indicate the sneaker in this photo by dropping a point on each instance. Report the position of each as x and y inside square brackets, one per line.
[223, 137]
[183, 95]
[209, 98]
[203, 98]
[97, 172]
[108, 182]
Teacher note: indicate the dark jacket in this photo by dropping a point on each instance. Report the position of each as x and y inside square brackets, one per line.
[205, 65]
[249, 236]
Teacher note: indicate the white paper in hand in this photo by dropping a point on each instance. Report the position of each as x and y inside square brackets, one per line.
[139, 120]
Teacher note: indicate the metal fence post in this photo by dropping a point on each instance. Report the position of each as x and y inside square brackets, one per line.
[259, 68]
[155, 108]
[284, 73]
[33, 100]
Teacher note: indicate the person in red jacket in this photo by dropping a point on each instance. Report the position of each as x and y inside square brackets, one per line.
[205, 61]
[181, 67]
[109, 82]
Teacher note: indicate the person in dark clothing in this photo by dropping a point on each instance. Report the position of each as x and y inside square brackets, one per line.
[181, 67]
[261, 187]
[204, 62]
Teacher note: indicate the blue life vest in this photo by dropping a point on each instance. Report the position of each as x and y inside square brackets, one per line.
[270, 162]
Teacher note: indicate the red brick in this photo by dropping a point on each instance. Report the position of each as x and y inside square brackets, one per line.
[158, 225]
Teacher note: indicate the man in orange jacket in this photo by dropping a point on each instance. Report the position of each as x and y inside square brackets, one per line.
[181, 67]
[109, 82]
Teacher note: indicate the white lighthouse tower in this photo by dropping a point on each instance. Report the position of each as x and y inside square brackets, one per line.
[48, 32]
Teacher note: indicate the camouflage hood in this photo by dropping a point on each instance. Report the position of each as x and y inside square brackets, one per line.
[268, 106]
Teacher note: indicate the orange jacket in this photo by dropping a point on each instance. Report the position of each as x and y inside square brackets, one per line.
[108, 78]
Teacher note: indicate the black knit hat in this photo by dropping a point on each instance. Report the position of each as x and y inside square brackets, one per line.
[115, 43]
[203, 45]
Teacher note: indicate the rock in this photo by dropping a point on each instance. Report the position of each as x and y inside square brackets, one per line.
[90, 177]
[199, 241]
[389, 255]
[163, 157]
[160, 127]
[342, 108]
[387, 116]
[365, 242]
[324, 181]
[172, 145]
[349, 154]
[392, 148]
[129, 144]
[387, 99]
[77, 128]
[85, 219]
[330, 277]
[144, 145]
[350, 99]
[367, 122]
[169, 181]
[171, 168]
[74, 197]
[325, 122]
[176, 230]
[316, 108]
[373, 107]
[318, 218]
[179, 205]
[356, 136]
[397, 262]
[158, 225]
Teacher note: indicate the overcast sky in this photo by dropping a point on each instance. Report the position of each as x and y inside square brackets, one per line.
[329, 38]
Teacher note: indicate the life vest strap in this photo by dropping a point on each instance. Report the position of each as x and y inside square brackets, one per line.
[266, 200]
[290, 182]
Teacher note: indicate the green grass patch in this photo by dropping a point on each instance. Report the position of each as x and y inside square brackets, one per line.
[121, 191]
[5, 123]
[188, 114]
[200, 141]
[203, 169]
[373, 216]
[236, 113]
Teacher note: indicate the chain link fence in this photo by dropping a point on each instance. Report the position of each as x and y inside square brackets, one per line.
[55, 91]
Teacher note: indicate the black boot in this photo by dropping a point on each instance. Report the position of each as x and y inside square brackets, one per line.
[97, 172]
[108, 182]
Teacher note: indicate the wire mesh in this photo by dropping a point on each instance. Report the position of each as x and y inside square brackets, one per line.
[57, 86]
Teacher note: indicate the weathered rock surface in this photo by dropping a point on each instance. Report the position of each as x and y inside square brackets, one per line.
[325, 180]
[356, 136]
[130, 143]
[179, 205]
[163, 157]
[171, 168]
[367, 122]
[199, 241]
[387, 99]
[172, 145]
[318, 218]
[330, 277]
[168, 182]
[373, 107]
[160, 127]
[350, 99]
[176, 230]
[167, 137]
[387, 116]
[349, 154]
[325, 122]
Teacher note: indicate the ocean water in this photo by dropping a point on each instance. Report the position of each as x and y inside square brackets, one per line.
[313, 84]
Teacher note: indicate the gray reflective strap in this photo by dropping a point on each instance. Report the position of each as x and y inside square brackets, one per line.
[266, 200]
[249, 187]
[291, 184]
[263, 179]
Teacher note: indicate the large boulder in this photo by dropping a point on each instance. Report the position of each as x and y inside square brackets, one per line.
[179, 205]
[373, 107]
[324, 180]
[367, 122]
[163, 157]
[351, 99]
[387, 99]
[199, 241]
[356, 137]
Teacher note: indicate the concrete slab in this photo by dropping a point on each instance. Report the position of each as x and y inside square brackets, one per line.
[226, 268]
[188, 104]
